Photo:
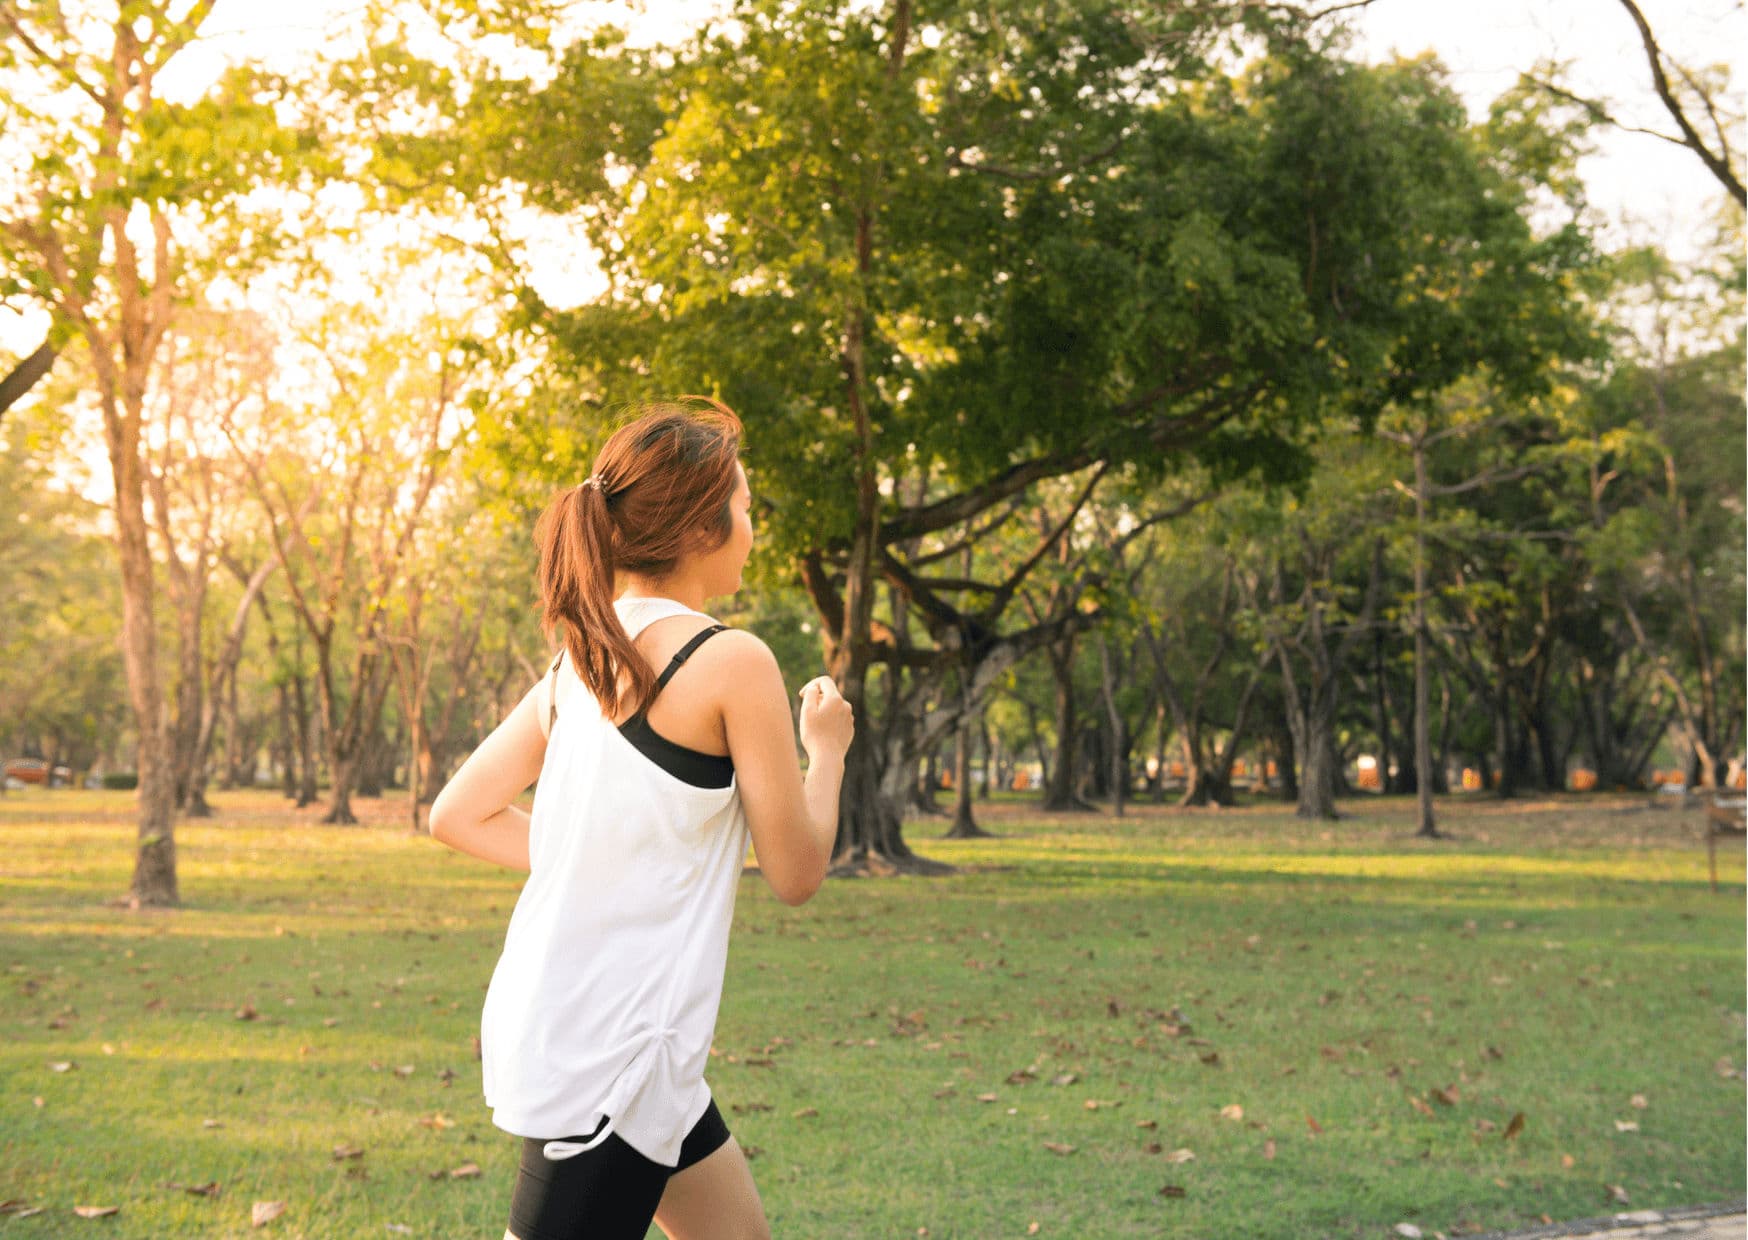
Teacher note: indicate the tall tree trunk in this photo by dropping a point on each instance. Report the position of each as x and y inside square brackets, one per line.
[964, 825]
[154, 877]
[1428, 827]
[1060, 782]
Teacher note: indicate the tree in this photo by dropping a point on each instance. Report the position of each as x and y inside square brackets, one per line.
[989, 247]
[97, 230]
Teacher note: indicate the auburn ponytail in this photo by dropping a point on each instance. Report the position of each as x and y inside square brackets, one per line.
[660, 490]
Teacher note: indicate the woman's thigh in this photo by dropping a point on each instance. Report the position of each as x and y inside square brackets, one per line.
[714, 1199]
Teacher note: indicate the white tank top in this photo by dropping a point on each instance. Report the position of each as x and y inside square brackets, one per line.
[604, 1002]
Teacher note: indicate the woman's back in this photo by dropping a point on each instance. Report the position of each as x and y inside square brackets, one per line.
[605, 998]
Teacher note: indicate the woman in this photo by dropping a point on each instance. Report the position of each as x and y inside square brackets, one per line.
[598, 1020]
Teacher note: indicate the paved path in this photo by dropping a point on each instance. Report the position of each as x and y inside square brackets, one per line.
[1723, 1221]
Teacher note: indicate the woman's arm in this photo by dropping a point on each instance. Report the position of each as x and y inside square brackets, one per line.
[473, 814]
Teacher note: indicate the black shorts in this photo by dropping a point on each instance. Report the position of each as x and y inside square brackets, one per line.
[607, 1193]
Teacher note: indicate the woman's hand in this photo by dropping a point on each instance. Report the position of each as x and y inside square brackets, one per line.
[827, 722]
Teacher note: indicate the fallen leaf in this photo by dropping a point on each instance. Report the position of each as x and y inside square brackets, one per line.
[467, 1171]
[398, 1229]
[1058, 1147]
[1232, 1111]
[1172, 1190]
[209, 1189]
[1419, 1105]
[1617, 1193]
[986, 1097]
[1032, 1228]
[1211, 1059]
[1485, 1125]
[1268, 1148]
[65, 1065]
[942, 1093]
[1568, 1162]
[752, 1151]
[264, 1212]
[1638, 1100]
[1626, 1125]
[29, 1212]
[248, 1012]
[404, 1070]
[343, 1152]
[1067, 1078]
[1448, 1095]
[438, 1121]
[1152, 1147]
[1408, 1230]
[1146, 1123]
[1315, 1126]
[1094, 1104]
[1180, 1156]
[1513, 1128]
[96, 1211]
[212, 1123]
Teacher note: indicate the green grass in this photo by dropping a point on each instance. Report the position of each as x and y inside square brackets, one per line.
[1555, 960]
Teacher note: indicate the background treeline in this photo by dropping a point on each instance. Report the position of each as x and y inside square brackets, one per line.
[1136, 396]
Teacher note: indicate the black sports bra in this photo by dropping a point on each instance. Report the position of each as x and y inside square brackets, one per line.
[693, 766]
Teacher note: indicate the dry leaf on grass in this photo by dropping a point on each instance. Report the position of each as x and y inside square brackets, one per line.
[1268, 1148]
[467, 1171]
[1626, 1125]
[96, 1211]
[1172, 1190]
[209, 1189]
[343, 1152]
[1513, 1128]
[1617, 1193]
[805, 1113]
[264, 1212]
[1058, 1147]
[1232, 1111]
[1180, 1156]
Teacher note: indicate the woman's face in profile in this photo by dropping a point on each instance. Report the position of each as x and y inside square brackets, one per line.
[732, 555]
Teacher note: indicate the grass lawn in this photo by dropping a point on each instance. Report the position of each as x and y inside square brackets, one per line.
[1184, 1023]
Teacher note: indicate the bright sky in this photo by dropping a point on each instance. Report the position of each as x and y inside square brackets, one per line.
[1646, 189]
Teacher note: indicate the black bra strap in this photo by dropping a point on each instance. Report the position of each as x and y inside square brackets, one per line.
[680, 656]
[552, 695]
[684, 653]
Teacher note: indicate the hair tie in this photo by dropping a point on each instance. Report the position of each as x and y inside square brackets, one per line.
[593, 481]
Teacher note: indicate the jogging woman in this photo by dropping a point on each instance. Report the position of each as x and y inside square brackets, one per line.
[661, 740]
